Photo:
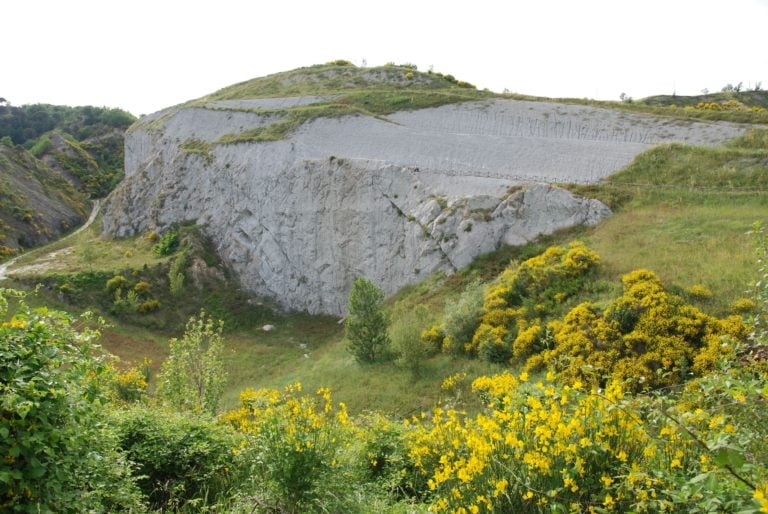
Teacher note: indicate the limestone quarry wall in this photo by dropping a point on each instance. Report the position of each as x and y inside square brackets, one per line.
[392, 199]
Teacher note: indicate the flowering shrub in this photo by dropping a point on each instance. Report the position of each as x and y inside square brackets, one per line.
[743, 306]
[131, 385]
[728, 105]
[432, 339]
[700, 292]
[142, 287]
[647, 335]
[148, 306]
[512, 309]
[565, 448]
[293, 444]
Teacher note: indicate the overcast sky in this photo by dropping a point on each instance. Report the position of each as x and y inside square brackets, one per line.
[145, 55]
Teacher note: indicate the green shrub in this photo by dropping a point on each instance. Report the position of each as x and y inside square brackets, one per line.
[148, 306]
[406, 339]
[117, 282]
[58, 455]
[167, 244]
[180, 459]
[462, 318]
[193, 375]
[42, 145]
[176, 274]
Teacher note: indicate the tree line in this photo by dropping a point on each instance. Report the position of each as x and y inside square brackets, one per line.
[24, 124]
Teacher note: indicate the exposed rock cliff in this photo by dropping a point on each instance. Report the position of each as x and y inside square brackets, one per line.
[392, 198]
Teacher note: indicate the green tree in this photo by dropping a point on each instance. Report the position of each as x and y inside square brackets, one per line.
[366, 323]
[193, 376]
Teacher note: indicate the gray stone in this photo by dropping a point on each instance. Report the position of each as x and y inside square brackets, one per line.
[389, 199]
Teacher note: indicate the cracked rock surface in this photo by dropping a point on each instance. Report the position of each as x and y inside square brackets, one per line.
[392, 199]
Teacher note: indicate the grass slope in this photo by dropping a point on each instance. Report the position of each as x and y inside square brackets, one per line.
[36, 203]
[681, 211]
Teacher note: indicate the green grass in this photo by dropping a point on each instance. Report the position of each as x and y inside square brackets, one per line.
[199, 147]
[683, 212]
[328, 79]
[686, 245]
[88, 251]
[682, 108]
[370, 102]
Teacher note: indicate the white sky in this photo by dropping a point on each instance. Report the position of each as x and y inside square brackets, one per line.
[144, 55]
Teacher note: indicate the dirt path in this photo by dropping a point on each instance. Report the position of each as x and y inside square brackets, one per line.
[4, 267]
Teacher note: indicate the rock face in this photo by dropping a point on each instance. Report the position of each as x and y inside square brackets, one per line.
[392, 199]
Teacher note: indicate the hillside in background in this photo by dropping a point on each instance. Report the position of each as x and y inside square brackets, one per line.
[53, 160]
[617, 366]
[735, 100]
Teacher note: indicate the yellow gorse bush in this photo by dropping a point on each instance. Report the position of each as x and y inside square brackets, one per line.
[728, 105]
[509, 325]
[565, 448]
[647, 335]
[293, 442]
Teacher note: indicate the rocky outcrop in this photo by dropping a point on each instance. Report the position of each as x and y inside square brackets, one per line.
[393, 199]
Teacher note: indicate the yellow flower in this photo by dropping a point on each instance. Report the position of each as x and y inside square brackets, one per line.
[608, 503]
[606, 480]
[760, 495]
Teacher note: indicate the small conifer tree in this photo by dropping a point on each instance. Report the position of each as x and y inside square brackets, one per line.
[366, 323]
